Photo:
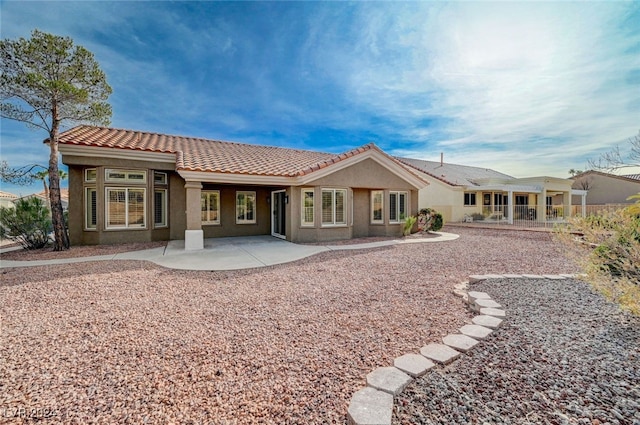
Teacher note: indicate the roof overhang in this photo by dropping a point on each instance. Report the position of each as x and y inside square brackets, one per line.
[265, 180]
[506, 188]
[116, 153]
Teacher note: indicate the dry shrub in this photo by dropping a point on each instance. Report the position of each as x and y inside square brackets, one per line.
[607, 246]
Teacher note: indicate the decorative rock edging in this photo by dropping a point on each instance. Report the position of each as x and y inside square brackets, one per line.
[374, 403]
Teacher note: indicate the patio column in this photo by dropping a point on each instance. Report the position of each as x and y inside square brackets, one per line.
[566, 207]
[541, 213]
[193, 235]
[510, 201]
[583, 204]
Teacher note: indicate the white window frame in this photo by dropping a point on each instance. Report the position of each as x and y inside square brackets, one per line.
[207, 194]
[374, 194]
[163, 178]
[86, 175]
[241, 206]
[126, 226]
[165, 212]
[88, 210]
[470, 195]
[398, 212]
[304, 208]
[334, 222]
[127, 176]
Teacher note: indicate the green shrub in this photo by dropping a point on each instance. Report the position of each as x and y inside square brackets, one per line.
[408, 225]
[429, 220]
[608, 248]
[29, 223]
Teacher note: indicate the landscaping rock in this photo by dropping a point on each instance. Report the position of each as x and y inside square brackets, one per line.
[567, 356]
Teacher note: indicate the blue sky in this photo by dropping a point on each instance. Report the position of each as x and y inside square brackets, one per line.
[523, 88]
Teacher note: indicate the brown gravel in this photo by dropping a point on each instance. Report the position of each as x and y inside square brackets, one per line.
[127, 341]
[78, 251]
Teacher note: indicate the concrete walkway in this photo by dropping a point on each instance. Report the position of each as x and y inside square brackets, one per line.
[229, 253]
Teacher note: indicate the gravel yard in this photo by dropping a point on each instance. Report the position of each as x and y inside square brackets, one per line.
[564, 356]
[129, 342]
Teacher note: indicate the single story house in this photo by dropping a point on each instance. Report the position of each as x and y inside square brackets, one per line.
[7, 199]
[605, 188]
[461, 192]
[132, 186]
[43, 196]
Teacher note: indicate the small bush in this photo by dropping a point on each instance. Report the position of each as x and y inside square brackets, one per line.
[429, 220]
[609, 252]
[408, 225]
[477, 217]
[28, 223]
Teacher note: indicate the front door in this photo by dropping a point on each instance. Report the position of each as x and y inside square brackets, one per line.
[278, 215]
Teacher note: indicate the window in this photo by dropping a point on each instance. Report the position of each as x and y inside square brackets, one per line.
[307, 207]
[125, 208]
[245, 207]
[125, 176]
[210, 206]
[377, 206]
[160, 208]
[469, 199]
[397, 206]
[90, 175]
[159, 178]
[91, 208]
[333, 207]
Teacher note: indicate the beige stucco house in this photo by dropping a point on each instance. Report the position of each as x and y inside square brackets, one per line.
[464, 193]
[129, 186]
[605, 189]
[7, 199]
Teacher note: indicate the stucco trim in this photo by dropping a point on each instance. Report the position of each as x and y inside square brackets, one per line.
[95, 151]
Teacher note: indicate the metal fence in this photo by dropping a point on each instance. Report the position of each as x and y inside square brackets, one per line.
[525, 216]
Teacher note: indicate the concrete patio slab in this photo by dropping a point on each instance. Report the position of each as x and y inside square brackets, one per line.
[229, 253]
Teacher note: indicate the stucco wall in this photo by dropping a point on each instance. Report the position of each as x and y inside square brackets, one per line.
[77, 233]
[447, 200]
[606, 190]
[228, 225]
[363, 176]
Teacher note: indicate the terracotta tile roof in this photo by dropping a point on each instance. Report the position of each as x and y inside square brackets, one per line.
[196, 154]
[7, 195]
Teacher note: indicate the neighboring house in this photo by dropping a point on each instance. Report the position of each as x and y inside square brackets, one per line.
[461, 192]
[129, 186]
[7, 199]
[64, 198]
[607, 188]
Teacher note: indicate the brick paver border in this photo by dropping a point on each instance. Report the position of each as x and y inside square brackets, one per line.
[374, 403]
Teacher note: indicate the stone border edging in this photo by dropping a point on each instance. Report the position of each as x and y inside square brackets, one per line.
[373, 405]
